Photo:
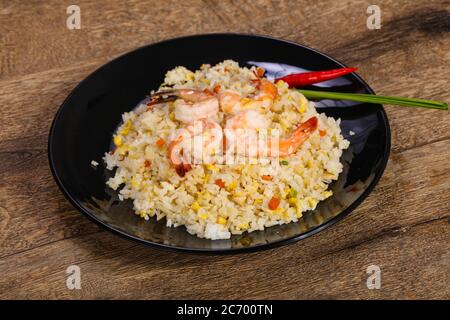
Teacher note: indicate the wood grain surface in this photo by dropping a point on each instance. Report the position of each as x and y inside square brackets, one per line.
[403, 226]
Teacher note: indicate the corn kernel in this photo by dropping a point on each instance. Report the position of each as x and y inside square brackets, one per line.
[292, 200]
[258, 201]
[221, 220]
[243, 226]
[195, 206]
[118, 141]
[134, 182]
[232, 186]
[303, 103]
[126, 128]
[279, 84]
[328, 175]
[245, 100]
[190, 76]
[311, 202]
[239, 199]
[327, 193]
[123, 148]
[211, 167]
[203, 216]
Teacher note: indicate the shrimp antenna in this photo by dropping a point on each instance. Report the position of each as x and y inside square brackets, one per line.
[162, 97]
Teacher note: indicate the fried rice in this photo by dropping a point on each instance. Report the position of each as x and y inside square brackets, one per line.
[243, 200]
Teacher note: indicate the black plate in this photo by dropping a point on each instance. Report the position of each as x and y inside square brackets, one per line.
[83, 127]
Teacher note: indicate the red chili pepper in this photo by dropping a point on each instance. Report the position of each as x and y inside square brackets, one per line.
[307, 78]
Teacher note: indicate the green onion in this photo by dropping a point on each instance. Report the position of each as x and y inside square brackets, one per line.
[284, 163]
[371, 98]
[293, 193]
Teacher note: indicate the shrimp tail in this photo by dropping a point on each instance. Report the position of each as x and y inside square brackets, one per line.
[182, 168]
[298, 137]
[304, 130]
[174, 153]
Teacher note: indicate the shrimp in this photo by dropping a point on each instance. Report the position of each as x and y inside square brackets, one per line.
[241, 132]
[285, 147]
[249, 119]
[232, 102]
[193, 104]
[198, 142]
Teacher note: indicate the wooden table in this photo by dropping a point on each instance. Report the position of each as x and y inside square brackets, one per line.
[403, 226]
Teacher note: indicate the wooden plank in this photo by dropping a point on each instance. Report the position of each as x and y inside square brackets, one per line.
[141, 22]
[106, 29]
[415, 263]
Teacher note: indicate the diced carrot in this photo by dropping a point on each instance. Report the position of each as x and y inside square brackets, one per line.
[160, 143]
[274, 203]
[220, 183]
[266, 177]
[147, 163]
[322, 133]
[217, 88]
